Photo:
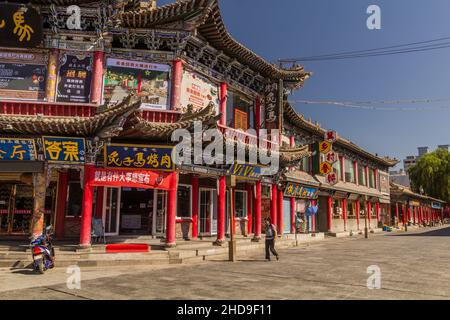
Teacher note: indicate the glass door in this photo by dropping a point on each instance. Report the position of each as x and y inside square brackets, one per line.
[22, 203]
[159, 213]
[6, 190]
[111, 210]
[287, 216]
[208, 212]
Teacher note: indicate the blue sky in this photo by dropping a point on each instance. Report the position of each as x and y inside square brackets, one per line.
[296, 28]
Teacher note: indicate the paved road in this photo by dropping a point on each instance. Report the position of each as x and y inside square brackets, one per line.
[414, 265]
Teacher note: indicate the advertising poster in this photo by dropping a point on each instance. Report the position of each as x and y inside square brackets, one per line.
[22, 75]
[151, 81]
[64, 150]
[74, 78]
[197, 92]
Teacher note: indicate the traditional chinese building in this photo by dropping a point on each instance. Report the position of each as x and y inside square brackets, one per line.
[90, 94]
[410, 208]
[352, 192]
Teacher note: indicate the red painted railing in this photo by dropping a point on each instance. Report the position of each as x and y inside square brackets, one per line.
[47, 109]
[165, 116]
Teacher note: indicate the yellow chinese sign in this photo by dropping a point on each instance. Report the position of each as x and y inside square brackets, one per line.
[139, 157]
[325, 168]
[64, 150]
[325, 147]
[20, 26]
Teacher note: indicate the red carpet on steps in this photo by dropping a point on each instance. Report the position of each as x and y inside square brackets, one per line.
[127, 247]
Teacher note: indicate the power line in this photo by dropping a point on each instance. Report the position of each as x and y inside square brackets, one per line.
[404, 48]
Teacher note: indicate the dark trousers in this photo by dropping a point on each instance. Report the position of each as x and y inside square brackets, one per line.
[270, 247]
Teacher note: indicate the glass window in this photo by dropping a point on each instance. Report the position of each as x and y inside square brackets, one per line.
[371, 178]
[351, 209]
[337, 209]
[349, 171]
[337, 169]
[361, 175]
[184, 205]
[241, 204]
[240, 111]
[75, 198]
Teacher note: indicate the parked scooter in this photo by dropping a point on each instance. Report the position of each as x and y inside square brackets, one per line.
[43, 252]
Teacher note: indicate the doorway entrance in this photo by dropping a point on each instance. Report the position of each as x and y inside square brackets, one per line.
[208, 212]
[133, 211]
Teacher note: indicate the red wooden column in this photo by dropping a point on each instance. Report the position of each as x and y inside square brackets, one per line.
[177, 75]
[250, 209]
[257, 234]
[409, 213]
[414, 215]
[404, 214]
[223, 103]
[329, 213]
[397, 213]
[369, 209]
[419, 212]
[274, 205]
[221, 210]
[344, 213]
[195, 203]
[358, 212]
[292, 215]
[172, 210]
[86, 210]
[97, 77]
[342, 164]
[63, 179]
[280, 212]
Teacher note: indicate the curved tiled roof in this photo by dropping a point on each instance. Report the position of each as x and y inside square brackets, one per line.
[205, 16]
[298, 120]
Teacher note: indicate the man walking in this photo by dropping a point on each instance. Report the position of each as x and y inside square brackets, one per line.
[271, 234]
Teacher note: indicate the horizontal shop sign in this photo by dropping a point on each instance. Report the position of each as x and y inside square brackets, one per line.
[13, 149]
[143, 179]
[64, 150]
[414, 203]
[139, 157]
[245, 171]
[300, 191]
[436, 205]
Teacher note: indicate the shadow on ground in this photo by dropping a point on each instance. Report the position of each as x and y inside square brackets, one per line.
[434, 233]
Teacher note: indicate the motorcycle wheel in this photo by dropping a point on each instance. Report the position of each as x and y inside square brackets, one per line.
[39, 266]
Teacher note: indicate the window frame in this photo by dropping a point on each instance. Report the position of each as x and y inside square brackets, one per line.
[244, 192]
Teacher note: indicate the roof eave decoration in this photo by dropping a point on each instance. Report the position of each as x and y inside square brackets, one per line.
[204, 16]
[298, 120]
[105, 124]
[291, 157]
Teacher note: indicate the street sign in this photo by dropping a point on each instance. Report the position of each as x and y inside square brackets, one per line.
[332, 178]
[331, 136]
[325, 147]
[325, 168]
[331, 157]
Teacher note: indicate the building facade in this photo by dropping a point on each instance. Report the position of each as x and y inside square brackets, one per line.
[88, 104]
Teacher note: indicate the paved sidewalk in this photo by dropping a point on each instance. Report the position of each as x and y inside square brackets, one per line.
[413, 265]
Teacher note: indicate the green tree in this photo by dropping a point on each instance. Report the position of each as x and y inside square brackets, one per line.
[432, 174]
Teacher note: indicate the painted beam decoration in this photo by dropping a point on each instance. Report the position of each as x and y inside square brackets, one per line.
[64, 150]
[12, 149]
[245, 171]
[20, 26]
[294, 190]
[139, 157]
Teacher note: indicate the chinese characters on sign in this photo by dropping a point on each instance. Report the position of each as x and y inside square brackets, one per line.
[148, 80]
[245, 171]
[22, 75]
[144, 179]
[329, 157]
[298, 191]
[74, 78]
[17, 149]
[139, 157]
[64, 150]
[198, 92]
[271, 106]
[20, 26]
[331, 136]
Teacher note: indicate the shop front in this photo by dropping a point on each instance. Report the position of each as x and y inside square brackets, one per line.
[300, 208]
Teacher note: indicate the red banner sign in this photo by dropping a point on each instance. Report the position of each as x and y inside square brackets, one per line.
[143, 179]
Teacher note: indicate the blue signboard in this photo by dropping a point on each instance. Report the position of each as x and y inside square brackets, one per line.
[245, 171]
[436, 205]
[298, 191]
[13, 149]
[64, 150]
[139, 157]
